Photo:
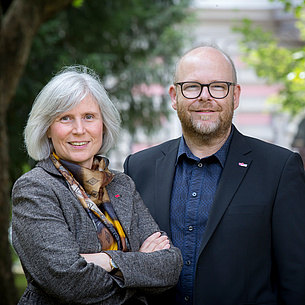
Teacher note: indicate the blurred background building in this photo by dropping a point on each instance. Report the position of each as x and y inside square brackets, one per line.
[214, 22]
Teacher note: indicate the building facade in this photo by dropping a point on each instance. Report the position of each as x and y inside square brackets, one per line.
[213, 24]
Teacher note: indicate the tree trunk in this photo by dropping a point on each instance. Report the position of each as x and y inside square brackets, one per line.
[7, 288]
[18, 27]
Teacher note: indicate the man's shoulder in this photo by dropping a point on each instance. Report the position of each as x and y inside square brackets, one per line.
[142, 161]
[259, 145]
[158, 149]
[265, 146]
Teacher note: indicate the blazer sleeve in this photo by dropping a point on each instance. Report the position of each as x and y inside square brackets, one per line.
[288, 224]
[156, 271]
[48, 248]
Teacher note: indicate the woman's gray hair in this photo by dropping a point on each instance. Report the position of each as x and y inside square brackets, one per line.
[64, 91]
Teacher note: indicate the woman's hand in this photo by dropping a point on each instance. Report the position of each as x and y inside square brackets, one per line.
[100, 259]
[155, 242]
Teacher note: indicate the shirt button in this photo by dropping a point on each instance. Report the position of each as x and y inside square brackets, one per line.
[194, 194]
[186, 298]
[191, 228]
[188, 263]
[200, 164]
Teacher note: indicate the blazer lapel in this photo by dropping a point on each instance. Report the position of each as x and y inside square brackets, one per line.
[237, 164]
[164, 175]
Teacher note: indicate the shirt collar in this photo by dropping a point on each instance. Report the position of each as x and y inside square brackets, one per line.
[221, 154]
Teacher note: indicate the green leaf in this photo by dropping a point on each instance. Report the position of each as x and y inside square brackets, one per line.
[275, 63]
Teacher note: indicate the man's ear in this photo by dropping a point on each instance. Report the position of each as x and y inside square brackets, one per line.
[173, 94]
[236, 96]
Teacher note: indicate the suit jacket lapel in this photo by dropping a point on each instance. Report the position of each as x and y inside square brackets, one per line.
[123, 210]
[237, 164]
[164, 175]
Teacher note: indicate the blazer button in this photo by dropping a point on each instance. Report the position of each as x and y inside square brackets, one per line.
[190, 228]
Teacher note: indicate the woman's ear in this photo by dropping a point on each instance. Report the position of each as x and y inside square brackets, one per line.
[48, 133]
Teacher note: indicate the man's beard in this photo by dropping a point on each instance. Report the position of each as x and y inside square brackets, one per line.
[202, 130]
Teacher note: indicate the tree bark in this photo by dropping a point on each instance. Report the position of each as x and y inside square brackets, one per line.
[18, 27]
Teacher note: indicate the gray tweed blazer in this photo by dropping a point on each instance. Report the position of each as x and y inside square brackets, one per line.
[51, 228]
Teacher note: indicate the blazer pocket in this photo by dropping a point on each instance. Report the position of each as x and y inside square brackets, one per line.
[246, 209]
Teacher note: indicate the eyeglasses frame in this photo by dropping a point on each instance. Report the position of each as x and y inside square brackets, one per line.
[205, 85]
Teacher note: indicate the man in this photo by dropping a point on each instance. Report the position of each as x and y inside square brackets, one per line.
[234, 205]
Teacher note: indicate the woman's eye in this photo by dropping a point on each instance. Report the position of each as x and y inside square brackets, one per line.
[65, 118]
[89, 116]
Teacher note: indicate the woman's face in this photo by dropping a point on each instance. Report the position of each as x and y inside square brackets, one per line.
[77, 134]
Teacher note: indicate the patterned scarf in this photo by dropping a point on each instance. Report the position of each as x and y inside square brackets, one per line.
[89, 185]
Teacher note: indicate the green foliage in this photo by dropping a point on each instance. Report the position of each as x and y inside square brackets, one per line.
[290, 5]
[21, 283]
[261, 50]
[128, 43]
[276, 63]
[78, 3]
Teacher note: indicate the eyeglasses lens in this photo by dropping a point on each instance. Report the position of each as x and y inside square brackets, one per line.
[216, 89]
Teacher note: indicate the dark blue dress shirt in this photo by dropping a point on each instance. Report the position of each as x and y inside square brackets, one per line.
[194, 188]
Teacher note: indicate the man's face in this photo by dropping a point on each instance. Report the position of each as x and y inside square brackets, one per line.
[205, 116]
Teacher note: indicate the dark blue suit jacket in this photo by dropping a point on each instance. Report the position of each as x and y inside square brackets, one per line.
[253, 247]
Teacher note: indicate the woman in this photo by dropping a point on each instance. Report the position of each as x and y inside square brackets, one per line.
[82, 233]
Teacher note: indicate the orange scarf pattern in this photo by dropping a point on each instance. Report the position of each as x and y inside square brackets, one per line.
[89, 185]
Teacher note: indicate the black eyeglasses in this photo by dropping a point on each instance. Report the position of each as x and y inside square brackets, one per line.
[217, 90]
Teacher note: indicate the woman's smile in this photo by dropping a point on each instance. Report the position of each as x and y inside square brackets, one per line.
[77, 134]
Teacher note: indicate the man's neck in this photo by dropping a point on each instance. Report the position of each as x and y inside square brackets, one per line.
[205, 146]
